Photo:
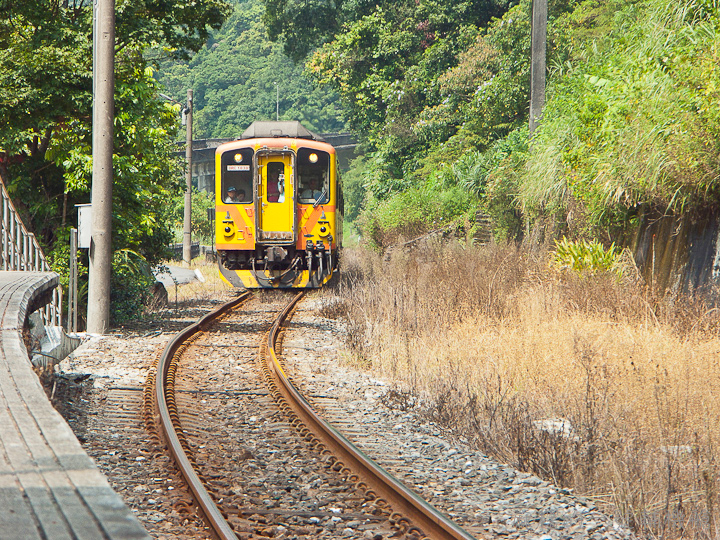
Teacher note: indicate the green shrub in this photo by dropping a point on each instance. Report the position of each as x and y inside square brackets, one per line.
[202, 228]
[130, 286]
[414, 212]
[586, 256]
[354, 186]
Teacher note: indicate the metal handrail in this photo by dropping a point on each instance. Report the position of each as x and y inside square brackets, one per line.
[20, 251]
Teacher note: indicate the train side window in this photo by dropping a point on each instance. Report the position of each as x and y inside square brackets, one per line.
[237, 171]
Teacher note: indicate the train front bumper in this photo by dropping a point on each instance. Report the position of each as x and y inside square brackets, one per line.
[275, 279]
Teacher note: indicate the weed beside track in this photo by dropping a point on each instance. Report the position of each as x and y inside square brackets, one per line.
[593, 383]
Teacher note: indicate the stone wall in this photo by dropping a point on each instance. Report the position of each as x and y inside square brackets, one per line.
[677, 252]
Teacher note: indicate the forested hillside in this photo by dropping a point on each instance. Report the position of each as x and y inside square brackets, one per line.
[439, 92]
[233, 78]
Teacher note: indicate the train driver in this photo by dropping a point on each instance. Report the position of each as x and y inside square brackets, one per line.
[232, 195]
[313, 192]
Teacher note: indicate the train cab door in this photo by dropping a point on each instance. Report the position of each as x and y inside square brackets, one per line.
[276, 198]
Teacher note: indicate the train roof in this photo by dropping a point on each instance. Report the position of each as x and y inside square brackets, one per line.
[270, 129]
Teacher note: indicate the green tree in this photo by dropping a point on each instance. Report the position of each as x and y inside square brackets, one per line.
[234, 80]
[46, 102]
[385, 64]
[203, 229]
[145, 174]
[304, 25]
[46, 105]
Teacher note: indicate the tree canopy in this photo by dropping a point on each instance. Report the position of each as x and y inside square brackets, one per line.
[304, 25]
[46, 108]
[234, 80]
[393, 68]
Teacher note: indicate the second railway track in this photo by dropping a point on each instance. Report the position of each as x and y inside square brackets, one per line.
[259, 461]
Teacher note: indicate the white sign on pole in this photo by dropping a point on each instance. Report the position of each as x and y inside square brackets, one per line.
[84, 225]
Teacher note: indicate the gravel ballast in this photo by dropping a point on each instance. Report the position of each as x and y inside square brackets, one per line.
[488, 498]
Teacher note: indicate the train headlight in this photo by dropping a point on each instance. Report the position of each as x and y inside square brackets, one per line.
[228, 229]
[238, 158]
[313, 158]
[323, 227]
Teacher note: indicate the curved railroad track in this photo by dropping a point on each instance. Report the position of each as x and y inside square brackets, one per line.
[341, 481]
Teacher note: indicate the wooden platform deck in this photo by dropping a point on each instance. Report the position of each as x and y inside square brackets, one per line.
[49, 488]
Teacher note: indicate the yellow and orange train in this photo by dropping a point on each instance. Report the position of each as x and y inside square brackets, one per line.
[278, 208]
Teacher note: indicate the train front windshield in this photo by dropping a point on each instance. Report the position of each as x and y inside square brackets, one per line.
[313, 176]
[237, 175]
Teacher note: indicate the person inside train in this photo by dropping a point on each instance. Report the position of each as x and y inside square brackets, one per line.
[274, 188]
[232, 195]
[241, 195]
[313, 192]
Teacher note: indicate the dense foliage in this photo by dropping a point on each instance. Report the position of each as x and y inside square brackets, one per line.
[632, 120]
[428, 92]
[305, 25]
[441, 103]
[202, 228]
[46, 112]
[388, 66]
[241, 76]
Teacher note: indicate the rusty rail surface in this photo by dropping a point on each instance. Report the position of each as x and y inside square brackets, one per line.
[168, 414]
[407, 505]
[408, 509]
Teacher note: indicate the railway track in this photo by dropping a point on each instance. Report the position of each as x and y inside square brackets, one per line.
[257, 458]
[273, 485]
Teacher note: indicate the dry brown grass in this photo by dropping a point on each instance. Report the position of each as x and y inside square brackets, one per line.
[494, 342]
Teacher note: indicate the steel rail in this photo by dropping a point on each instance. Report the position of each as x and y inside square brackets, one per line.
[202, 497]
[430, 521]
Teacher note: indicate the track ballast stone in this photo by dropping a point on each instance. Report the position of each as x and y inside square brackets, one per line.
[489, 499]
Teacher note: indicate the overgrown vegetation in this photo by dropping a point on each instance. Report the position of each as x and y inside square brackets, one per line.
[629, 124]
[131, 285]
[585, 379]
[234, 78]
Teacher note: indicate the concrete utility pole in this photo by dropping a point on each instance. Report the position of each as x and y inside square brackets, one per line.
[98, 315]
[187, 221]
[537, 65]
[277, 102]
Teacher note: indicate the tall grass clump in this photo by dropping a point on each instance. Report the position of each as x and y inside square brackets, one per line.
[587, 379]
[631, 118]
